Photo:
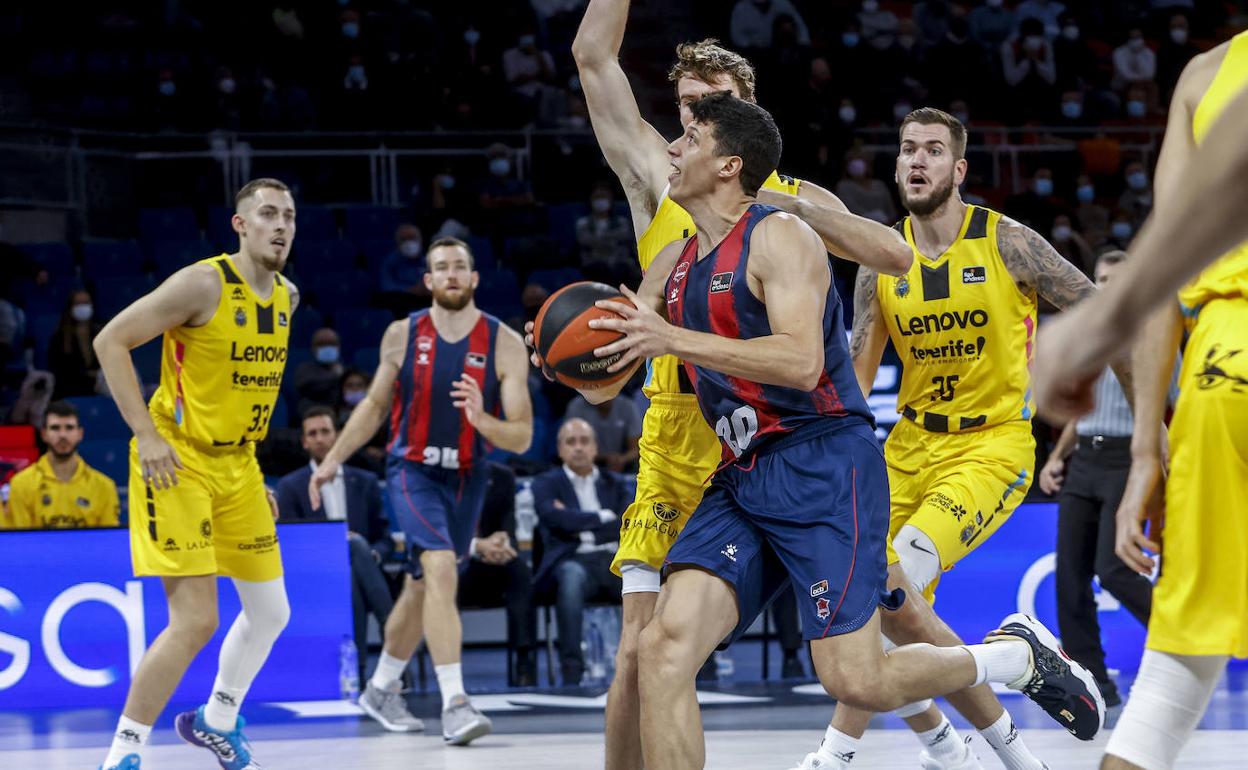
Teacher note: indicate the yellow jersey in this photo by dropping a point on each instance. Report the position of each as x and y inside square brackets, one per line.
[219, 381]
[963, 330]
[1228, 277]
[39, 500]
[672, 223]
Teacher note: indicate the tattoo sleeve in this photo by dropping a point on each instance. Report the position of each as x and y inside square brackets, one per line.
[1036, 266]
[865, 310]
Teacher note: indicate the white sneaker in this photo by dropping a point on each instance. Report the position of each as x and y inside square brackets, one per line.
[462, 723]
[968, 762]
[389, 709]
[820, 761]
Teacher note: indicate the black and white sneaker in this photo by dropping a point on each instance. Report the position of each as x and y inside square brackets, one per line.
[1064, 689]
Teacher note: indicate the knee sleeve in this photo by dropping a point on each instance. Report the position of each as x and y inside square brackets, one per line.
[1166, 703]
[919, 557]
[265, 607]
[639, 577]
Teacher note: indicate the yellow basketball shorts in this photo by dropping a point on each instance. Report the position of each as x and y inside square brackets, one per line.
[679, 452]
[1200, 602]
[215, 521]
[956, 488]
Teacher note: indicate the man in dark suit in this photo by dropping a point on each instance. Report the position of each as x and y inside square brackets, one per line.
[494, 575]
[355, 497]
[578, 507]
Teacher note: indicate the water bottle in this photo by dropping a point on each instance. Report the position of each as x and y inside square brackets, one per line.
[595, 666]
[724, 666]
[348, 670]
[610, 639]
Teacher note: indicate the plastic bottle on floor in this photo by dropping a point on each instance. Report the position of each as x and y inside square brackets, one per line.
[348, 670]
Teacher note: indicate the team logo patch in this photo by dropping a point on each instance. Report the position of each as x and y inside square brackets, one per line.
[974, 274]
[903, 287]
[664, 512]
[240, 317]
[823, 608]
[238, 293]
[819, 589]
[83, 502]
[205, 527]
[721, 282]
[681, 271]
[281, 318]
[475, 359]
[422, 359]
[46, 500]
[424, 344]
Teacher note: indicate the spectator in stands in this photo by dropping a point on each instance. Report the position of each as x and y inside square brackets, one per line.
[1173, 55]
[11, 321]
[849, 54]
[617, 429]
[1073, 114]
[578, 509]
[1092, 217]
[932, 18]
[879, 25]
[1048, 12]
[506, 199]
[1122, 229]
[605, 239]
[1070, 244]
[33, 398]
[60, 491]
[991, 24]
[1135, 63]
[354, 497]
[496, 576]
[1137, 199]
[402, 281]
[528, 70]
[957, 55]
[353, 387]
[1036, 207]
[1077, 66]
[753, 21]
[862, 193]
[71, 358]
[316, 381]
[1029, 68]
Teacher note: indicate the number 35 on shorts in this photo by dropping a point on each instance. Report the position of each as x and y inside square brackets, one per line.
[738, 428]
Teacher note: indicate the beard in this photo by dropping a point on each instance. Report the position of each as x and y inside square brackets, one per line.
[923, 207]
[68, 453]
[443, 300]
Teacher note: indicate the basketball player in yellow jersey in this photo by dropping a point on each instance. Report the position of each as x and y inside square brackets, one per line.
[198, 505]
[678, 450]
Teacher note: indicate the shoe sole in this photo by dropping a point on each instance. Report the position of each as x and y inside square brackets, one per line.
[189, 738]
[469, 734]
[393, 727]
[1045, 637]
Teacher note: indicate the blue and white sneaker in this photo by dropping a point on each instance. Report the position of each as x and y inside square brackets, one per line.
[1064, 689]
[231, 749]
[128, 762]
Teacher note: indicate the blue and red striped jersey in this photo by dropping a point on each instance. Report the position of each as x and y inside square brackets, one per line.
[712, 295]
[425, 426]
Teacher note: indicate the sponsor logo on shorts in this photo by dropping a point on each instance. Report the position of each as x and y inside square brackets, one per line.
[975, 274]
[721, 282]
[476, 360]
[730, 551]
[171, 545]
[823, 608]
[647, 524]
[205, 527]
[262, 544]
[664, 512]
[819, 589]
[958, 511]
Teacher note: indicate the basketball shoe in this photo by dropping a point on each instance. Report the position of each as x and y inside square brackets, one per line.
[389, 709]
[462, 723]
[128, 762]
[968, 762]
[231, 749]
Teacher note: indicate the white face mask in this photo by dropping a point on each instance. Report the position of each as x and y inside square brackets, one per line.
[227, 85]
[82, 312]
[900, 111]
[847, 113]
[600, 205]
[1178, 35]
[168, 88]
[870, 6]
[410, 247]
[500, 167]
[1061, 233]
[1070, 32]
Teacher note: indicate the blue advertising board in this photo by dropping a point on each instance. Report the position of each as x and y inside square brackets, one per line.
[74, 622]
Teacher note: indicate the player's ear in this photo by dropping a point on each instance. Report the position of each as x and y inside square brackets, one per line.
[238, 223]
[959, 172]
[428, 280]
[731, 167]
[476, 279]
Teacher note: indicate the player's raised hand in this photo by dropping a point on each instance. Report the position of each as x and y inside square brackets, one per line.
[645, 332]
[466, 395]
[158, 460]
[1143, 500]
[1067, 366]
[534, 358]
[325, 473]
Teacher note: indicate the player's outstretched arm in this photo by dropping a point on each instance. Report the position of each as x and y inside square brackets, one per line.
[869, 335]
[634, 150]
[515, 432]
[844, 234]
[188, 298]
[789, 266]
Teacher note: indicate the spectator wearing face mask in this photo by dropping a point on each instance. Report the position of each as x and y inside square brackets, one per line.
[1093, 218]
[1073, 113]
[316, 381]
[1137, 199]
[956, 52]
[506, 200]
[1175, 52]
[991, 24]
[71, 358]
[606, 240]
[529, 72]
[863, 194]
[1029, 68]
[402, 274]
[1135, 64]
[1077, 65]
[1037, 207]
[752, 22]
[1121, 230]
[352, 389]
[902, 64]
[879, 25]
[1070, 244]
[849, 53]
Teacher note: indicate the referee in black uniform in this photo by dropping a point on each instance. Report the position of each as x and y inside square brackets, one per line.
[1091, 482]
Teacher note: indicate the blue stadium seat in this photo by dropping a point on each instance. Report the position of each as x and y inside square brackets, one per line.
[482, 252]
[556, 279]
[331, 256]
[170, 256]
[41, 328]
[366, 360]
[376, 250]
[114, 293]
[100, 418]
[363, 328]
[306, 321]
[168, 224]
[106, 258]
[43, 300]
[499, 293]
[220, 231]
[55, 257]
[108, 456]
[563, 218]
[147, 361]
[281, 416]
[316, 223]
[295, 356]
[336, 290]
[371, 223]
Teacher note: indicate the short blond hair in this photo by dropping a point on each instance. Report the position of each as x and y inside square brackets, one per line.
[255, 185]
[707, 60]
[929, 116]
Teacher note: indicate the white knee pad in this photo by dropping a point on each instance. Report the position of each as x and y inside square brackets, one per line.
[1165, 705]
[639, 577]
[919, 557]
[265, 607]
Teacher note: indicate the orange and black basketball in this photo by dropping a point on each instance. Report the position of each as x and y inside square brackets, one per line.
[565, 342]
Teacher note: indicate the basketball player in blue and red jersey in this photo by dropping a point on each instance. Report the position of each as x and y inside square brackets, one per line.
[445, 375]
[757, 322]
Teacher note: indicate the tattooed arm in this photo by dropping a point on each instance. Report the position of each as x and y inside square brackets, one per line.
[866, 343]
[1036, 266]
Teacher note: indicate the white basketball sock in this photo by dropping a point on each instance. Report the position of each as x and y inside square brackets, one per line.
[246, 647]
[838, 749]
[450, 682]
[221, 711]
[1005, 662]
[943, 742]
[388, 672]
[1007, 741]
[129, 738]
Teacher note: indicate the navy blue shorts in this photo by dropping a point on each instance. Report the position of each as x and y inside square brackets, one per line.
[437, 509]
[809, 510]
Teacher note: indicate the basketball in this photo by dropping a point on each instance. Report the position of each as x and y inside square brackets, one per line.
[565, 342]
